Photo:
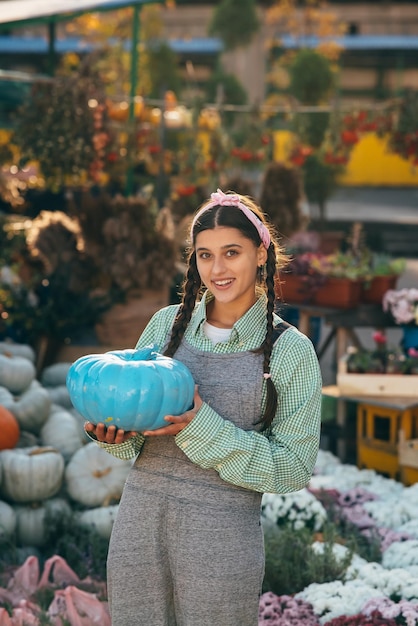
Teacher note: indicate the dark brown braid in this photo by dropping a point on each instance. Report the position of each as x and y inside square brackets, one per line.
[267, 345]
[191, 288]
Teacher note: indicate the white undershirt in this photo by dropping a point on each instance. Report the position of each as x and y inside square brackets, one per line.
[215, 334]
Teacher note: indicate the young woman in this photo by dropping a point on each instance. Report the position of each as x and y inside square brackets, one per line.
[187, 546]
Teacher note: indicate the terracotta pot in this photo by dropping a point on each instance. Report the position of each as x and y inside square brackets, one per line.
[373, 291]
[340, 293]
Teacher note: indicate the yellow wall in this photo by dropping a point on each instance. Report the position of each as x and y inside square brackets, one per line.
[371, 163]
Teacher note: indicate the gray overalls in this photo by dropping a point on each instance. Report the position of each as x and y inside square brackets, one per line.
[187, 547]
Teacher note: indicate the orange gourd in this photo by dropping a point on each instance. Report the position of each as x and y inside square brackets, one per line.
[9, 429]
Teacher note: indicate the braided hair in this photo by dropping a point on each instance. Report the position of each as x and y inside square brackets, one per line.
[233, 217]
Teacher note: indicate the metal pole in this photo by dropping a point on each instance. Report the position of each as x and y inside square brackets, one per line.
[132, 92]
[51, 48]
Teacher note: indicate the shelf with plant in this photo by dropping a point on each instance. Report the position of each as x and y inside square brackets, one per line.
[364, 275]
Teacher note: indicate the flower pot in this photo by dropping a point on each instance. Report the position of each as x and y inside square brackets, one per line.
[293, 290]
[373, 291]
[340, 293]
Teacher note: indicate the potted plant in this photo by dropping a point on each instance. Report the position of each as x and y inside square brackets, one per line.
[384, 274]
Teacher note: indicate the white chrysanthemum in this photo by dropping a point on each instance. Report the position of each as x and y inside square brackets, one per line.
[391, 512]
[410, 527]
[346, 477]
[297, 509]
[391, 582]
[401, 554]
[326, 462]
[330, 600]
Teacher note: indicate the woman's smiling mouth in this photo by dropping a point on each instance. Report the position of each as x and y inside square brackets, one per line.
[223, 283]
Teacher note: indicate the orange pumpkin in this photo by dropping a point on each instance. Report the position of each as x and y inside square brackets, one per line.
[9, 429]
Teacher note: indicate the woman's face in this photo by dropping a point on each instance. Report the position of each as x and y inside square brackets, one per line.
[227, 263]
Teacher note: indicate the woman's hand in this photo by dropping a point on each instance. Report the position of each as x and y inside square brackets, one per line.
[109, 434]
[178, 422]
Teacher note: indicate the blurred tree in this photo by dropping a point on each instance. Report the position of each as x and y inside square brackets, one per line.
[158, 64]
[235, 22]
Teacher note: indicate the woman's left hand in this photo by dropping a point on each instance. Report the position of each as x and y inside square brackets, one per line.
[177, 422]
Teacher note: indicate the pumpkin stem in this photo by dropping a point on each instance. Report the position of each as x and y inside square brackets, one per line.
[100, 473]
[42, 451]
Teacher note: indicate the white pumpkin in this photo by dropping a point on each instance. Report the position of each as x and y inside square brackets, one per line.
[6, 398]
[93, 476]
[7, 520]
[60, 395]
[16, 373]
[55, 374]
[18, 349]
[31, 474]
[31, 520]
[100, 519]
[61, 432]
[32, 408]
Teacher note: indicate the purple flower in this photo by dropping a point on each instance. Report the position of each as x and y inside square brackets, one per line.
[285, 611]
[389, 536]
[358, 516]
[354, 496]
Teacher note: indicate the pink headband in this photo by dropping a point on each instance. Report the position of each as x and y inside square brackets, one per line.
[230, 199]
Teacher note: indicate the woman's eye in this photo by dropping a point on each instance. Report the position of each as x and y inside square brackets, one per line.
[204, 255]
[231, 253]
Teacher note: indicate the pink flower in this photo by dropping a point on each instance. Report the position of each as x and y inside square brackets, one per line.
[379, 337]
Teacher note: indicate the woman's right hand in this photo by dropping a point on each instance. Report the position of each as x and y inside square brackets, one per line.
[109, 434]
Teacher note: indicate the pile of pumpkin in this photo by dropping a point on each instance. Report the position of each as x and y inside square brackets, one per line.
[47, 463]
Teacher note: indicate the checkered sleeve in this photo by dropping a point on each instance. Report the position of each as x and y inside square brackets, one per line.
[127, 450]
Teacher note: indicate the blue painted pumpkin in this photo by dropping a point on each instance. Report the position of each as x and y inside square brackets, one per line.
[130, 389]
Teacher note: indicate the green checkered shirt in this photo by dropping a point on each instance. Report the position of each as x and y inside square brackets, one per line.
[278, 462]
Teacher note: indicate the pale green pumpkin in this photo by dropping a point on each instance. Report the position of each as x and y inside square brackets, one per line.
[93, 476]
[31, 474]
[7, 520]
[32, 407]
[16, 373]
